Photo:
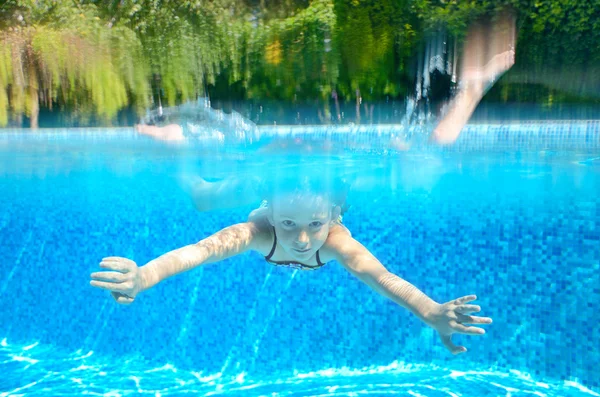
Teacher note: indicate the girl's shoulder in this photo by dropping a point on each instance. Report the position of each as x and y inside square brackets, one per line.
[259, 217]
[339, 235]
[263, 235]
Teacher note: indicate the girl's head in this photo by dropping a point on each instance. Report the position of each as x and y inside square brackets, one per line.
[302, 216]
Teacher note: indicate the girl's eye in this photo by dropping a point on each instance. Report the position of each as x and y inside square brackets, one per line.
[288, 223]
[316, 224]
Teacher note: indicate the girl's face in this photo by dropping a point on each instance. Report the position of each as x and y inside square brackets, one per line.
[301, 223]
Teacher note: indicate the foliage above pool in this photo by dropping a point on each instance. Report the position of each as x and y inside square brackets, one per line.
[98, 57]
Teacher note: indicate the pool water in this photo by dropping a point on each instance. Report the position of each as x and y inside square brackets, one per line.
[506, 216]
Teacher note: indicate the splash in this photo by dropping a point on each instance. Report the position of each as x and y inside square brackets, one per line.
[202, 123]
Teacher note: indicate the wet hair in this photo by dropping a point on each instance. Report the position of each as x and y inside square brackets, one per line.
[333, 189]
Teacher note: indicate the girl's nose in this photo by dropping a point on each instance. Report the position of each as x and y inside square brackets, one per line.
[302, 239]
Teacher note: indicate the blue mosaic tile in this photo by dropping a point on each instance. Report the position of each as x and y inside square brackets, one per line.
[523, 236]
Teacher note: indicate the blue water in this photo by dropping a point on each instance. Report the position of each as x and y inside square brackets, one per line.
[510, 217]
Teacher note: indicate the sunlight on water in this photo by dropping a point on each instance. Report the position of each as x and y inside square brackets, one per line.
[36, 368]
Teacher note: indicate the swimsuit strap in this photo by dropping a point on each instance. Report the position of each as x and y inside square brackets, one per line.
[319, 263]
[268, 257]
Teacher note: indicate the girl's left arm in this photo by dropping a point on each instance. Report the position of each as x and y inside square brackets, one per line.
[447, 318]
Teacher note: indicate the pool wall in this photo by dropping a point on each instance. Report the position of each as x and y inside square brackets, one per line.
[529, 247]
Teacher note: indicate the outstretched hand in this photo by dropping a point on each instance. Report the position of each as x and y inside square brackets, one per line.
[123, 279]
[450, 318]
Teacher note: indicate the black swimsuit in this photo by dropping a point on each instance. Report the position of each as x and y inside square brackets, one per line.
[292, 264]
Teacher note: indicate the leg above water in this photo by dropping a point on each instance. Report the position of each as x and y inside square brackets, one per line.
[488, 53]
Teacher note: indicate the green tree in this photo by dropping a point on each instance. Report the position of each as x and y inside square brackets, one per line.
[56, 52]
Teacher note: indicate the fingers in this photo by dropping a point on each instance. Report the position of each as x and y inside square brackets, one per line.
[113, 277]
[124, 300]
[116, 281]
[466, 330]
[109, 286]
[114, 258]
[465, 309]
[118, 264]
[462, 319]
[121, 298]
[465, 299]
[458, 316]
[454, 349]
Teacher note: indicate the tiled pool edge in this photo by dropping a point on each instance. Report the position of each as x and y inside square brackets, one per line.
[564, 134]
[481, 136]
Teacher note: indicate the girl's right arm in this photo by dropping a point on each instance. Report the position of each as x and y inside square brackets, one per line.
[124, 279]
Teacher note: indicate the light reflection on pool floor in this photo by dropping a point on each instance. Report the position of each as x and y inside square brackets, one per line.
[35, 369]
